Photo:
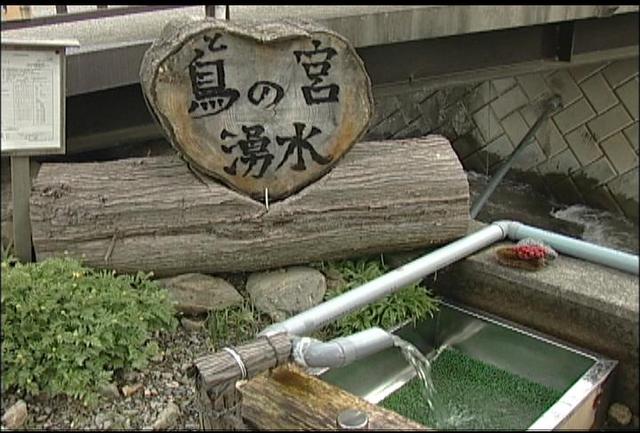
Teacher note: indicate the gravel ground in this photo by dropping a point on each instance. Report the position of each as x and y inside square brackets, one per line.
[162, 382]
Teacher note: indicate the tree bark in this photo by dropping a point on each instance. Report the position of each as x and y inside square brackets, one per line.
[154, 214]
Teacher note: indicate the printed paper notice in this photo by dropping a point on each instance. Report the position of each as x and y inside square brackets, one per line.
[30, 100]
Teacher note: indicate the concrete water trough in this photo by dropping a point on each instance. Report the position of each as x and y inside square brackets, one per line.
[576, 383]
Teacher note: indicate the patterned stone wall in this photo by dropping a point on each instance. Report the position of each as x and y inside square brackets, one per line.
[586, 153]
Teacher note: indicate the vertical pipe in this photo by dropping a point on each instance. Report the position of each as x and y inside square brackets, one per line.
[504, 168]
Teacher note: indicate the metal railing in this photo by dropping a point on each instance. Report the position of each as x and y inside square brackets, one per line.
[102, 11]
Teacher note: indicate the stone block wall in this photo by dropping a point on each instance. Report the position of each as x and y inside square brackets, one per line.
[587, 152]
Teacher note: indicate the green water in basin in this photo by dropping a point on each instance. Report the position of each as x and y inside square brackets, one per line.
[473, 395]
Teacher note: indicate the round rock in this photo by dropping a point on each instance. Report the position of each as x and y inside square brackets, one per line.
[620, 414]
[286, 292]
[195, 293]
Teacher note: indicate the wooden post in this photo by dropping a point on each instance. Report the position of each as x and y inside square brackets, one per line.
[217, 375]
[21, 193]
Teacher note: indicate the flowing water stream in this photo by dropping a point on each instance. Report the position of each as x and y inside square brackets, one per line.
[444, 415]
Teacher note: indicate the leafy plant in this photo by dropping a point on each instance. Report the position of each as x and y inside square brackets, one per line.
[413, 302]
[67, 328]
[236, 324]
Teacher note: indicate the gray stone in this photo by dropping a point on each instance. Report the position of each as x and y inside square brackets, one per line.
[192, 325]
[286, 292]
[102, 420]
[16, 415]
[620, 414]
[198, 293]
[167, 418]
[110, 390]
[173, 384]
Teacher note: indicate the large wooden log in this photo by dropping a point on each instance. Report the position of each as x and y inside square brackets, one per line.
[153, 214]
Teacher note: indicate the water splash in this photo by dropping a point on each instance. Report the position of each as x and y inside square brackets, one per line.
[422, 365]
[601, 227]
[467, 331]
[444, 415]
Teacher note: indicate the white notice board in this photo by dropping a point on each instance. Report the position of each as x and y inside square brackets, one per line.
[33, 98]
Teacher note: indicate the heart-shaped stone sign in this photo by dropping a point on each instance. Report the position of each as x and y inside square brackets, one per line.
[257, 105]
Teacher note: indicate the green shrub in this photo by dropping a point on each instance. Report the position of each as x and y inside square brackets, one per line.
[67, 328]
[413, 302]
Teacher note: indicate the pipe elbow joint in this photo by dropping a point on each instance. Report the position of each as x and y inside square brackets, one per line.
[342, 351]
[509, 228]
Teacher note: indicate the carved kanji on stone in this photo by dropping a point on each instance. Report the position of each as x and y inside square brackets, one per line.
[257, 105]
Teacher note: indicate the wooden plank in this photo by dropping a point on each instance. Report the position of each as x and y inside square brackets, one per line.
[20, 192]
[286, 398]
[382, 196]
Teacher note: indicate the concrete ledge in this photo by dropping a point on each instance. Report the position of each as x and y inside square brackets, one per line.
[111, 48]
[362, 25]
[588, 305]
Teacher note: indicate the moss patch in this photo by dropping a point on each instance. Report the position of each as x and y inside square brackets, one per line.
[473, 395]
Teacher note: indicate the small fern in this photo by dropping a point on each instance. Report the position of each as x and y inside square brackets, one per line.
[413, 302]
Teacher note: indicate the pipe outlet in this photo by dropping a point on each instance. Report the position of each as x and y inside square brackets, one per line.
[341, 351]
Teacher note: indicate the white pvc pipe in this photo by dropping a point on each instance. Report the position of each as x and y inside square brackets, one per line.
[345, 350]
[573, 247]
[333, 309]
[316, 317]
